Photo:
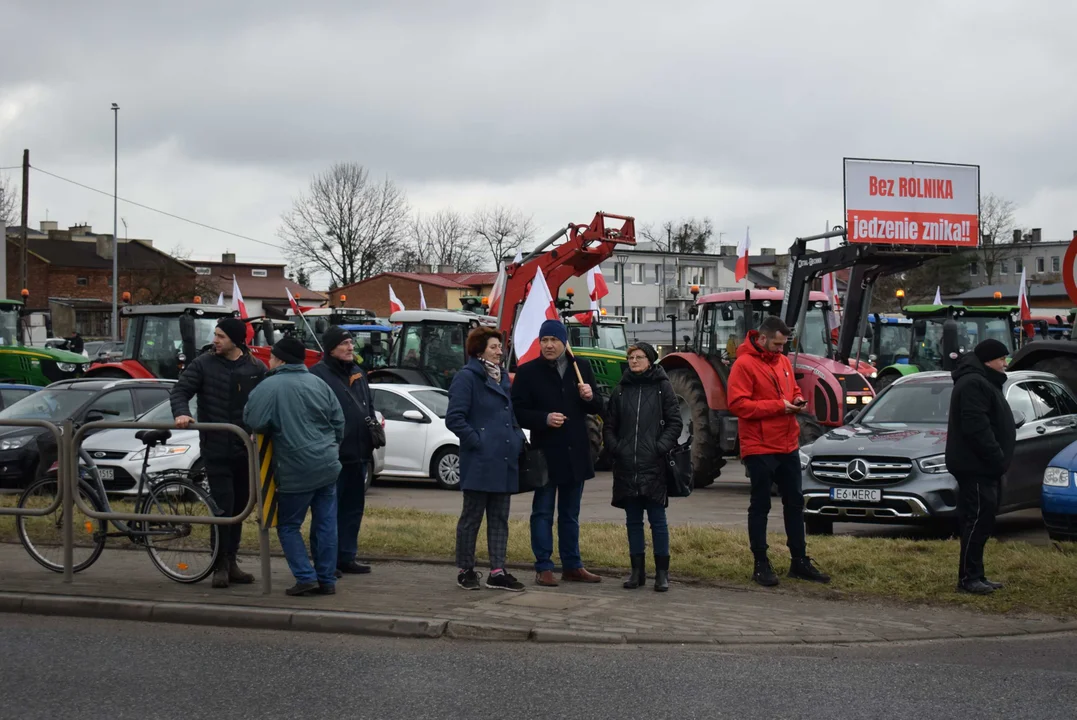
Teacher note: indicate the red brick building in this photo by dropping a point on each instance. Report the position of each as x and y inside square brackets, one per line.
[442, 290]
[264, 286]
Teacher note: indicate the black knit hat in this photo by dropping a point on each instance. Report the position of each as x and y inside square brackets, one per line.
[991, 349]
[648, 350]
[334, 336]
[290, 351]
[235, 329]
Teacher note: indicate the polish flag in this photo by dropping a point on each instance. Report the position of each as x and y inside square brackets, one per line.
[1026, 311]
[596, 284]
[938, 296]
[220, 298]
[537, 309]
[238, 304]
[296, 307]
[519, 257]
[497, 291]
[830, 290]
[394, 302]
[586, 318]
[743, 247]
[422, 298]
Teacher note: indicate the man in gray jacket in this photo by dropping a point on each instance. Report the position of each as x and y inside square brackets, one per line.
[303, 418]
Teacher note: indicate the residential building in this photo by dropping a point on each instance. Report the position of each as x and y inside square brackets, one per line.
[441, 290]
[264, 286]
[69, 276]
[1040, 259]
[1043, 298]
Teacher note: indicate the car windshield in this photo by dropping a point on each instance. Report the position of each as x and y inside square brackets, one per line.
[9, 327]
[436, 400]
[162, 412]
[917, 403]
[48, 405]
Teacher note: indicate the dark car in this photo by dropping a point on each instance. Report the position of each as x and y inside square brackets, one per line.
[11, 393]
[26, 453]
[889, 464]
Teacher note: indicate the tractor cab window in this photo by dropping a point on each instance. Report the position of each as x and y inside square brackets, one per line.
[434, 348]
[371, 350]
[816, 335]
[9, 327]
[612, 337]
[160, 346]
[579, 336]
[730, 326]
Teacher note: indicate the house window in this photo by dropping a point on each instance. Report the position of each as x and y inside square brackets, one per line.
[93, 323]
[1056, 264]
[657, 274]
[639, 314]
[1018, 265]
[259, 272]
[692, 275]
[1003, 267]
[974, 268]
[1040, 262]
[659, 314]
[637, 273]
[82, 281]
[617, 272]
[203, 271]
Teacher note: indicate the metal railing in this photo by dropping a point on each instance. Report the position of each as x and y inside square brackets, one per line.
[61, 487]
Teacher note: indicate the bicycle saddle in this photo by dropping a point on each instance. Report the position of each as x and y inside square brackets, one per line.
[150, 438]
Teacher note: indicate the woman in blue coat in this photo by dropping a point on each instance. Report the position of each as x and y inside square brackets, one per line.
[480, 414]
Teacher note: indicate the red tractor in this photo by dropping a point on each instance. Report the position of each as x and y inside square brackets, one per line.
[162, 339]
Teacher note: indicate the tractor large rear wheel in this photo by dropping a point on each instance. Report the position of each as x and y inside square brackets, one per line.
[1064, 366]
[594, 437]
[707, 460]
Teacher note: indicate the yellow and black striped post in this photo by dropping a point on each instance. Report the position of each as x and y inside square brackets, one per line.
[266, 480]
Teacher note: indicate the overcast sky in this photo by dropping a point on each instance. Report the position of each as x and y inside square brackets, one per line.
[737, 111]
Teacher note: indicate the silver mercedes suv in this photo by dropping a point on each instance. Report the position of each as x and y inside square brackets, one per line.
[888, 465]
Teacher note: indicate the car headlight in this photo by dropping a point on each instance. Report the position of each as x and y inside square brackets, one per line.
[934, 465]
[67, 367]
[161, 451]
[16, 442]
[1056, 477]
[805, 460]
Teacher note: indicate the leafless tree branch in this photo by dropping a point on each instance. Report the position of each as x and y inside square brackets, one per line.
[444, 239]
[502, 229]
[996, 229]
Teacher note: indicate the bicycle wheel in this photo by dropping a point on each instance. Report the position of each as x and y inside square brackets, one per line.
[42, 535]
[184, 552]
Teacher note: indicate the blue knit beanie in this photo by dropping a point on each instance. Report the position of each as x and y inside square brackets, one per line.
[554, 328]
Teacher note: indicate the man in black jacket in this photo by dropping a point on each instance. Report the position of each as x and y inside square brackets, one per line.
[222, 380]
[551, 402]
[980, 439]
[348, 381]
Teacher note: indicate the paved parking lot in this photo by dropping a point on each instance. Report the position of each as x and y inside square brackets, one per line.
[723, 503]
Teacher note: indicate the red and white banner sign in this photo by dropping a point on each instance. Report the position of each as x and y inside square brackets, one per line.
[904, 203]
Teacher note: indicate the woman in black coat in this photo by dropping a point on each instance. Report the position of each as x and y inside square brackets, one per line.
[643, 425]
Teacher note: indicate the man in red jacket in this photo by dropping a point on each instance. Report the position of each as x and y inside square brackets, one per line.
[763, 394]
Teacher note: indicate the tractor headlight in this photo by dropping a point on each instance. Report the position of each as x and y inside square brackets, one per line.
[67, 367]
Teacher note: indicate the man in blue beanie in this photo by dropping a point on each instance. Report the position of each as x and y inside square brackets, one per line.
[550, 400]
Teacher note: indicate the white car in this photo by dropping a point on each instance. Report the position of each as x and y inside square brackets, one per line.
[118, 455]
[417, 443]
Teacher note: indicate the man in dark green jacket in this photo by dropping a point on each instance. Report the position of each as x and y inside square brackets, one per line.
[303, 418]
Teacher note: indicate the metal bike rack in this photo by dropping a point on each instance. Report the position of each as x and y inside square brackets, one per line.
[61, 486]
[70, 442]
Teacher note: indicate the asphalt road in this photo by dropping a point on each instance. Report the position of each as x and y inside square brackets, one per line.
[723, 503]
[67, 667]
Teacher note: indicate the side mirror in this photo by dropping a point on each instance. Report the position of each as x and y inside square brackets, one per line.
[1019, 418]
[727, 313]
[95, 415]
[850, 417]
[872, 359]
[414, 416]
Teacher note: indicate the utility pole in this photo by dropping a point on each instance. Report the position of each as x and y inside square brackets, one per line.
[115, 224]
[25, 217]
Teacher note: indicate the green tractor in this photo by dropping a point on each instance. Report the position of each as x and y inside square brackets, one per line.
[604, 345]
[925, 350]
[32, 365]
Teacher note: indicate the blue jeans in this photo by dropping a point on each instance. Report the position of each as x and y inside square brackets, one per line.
[659, 529]
[292, 510]
[351, 504]
[567, 498]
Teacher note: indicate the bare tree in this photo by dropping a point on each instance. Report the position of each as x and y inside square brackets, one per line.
[996, 230]
[443, 239]
[684, 236]
[346, 225]
[502, 229]
[7, 202]
[170, 280]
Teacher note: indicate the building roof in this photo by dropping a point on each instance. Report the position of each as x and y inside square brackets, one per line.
[987, 292]
[268, 288]
[133, 254]
[16, 231]
[448, 281]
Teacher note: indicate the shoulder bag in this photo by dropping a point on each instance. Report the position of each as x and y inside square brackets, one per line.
[533, 470]
[679, 470]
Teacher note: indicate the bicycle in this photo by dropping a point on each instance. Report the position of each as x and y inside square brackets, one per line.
[171, 492]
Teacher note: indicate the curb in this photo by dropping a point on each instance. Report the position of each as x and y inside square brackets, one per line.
[378, 625]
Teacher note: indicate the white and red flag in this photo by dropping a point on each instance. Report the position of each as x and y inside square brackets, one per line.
[394, 302]
[296, 307]
[1026, 311]
[537, 309]
[422, 298]
[743, 248]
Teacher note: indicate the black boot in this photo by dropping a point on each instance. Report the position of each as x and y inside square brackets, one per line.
[220, 572]
[661, 573]
[803, 569]
[764, 573]
[638, 578]
[235, 575]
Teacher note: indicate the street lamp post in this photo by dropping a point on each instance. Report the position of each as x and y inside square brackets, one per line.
[115, 223]
[621, 260]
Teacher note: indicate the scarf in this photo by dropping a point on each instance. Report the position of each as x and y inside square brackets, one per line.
[492, 369]
[561, 364]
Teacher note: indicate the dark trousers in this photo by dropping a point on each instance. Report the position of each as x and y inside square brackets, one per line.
[783, 471]
[495, 506]
[351, 503]
[567, 499]
[229, 486]
[292, 511]
[656, 514]
[977, 504]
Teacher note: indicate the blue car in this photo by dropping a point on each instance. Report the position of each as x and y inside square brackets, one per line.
[1059, 500]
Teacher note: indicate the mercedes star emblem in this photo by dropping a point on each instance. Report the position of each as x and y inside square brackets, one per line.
[857, 470]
